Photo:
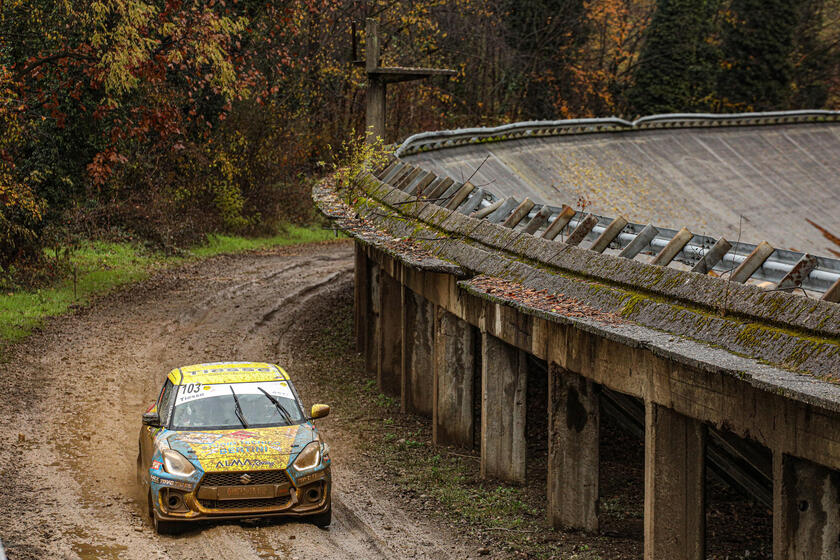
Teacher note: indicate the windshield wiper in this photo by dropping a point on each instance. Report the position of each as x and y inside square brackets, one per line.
[279, 406]
[238, 409]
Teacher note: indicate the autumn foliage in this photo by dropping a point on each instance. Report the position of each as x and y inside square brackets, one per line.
[168, 119]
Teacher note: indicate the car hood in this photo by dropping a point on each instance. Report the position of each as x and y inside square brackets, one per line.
[244, 449]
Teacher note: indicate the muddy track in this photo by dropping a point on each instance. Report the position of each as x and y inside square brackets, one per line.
[73, 395]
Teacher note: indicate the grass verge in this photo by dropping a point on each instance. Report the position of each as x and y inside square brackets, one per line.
[100, 266]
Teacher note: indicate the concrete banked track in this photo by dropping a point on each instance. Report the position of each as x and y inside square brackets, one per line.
[709, 359]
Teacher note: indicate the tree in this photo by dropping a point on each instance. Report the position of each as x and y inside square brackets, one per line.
[676, 69]
[757, 48]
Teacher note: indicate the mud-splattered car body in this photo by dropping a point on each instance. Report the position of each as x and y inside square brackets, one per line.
[230, 440]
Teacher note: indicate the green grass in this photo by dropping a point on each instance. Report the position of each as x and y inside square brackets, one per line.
[217, 244]
[103, 266]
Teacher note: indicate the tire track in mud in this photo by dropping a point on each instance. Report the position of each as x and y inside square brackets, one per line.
[74, 394]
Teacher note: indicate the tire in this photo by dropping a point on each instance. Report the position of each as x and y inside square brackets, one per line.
[321, 520]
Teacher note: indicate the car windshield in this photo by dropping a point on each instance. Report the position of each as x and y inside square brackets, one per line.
[213, 405]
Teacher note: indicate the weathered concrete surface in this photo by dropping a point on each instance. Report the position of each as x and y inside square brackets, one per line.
[806, 510]
[675, 515]
[452, 415]
[361, 306]
[573, 450]
[503, 377]
[418, 353]
[389, 364]
[704, 178]
[373, 320]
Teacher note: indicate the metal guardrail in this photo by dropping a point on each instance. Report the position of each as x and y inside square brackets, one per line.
[448, 138]
[736, 261]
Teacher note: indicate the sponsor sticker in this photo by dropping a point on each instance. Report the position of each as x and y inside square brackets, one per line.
[194, 391]
[157, 465]
[171, 483]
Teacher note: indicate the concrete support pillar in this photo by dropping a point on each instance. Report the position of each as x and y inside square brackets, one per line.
[389, 364]
[573, 432]
[418, 353]
[675, 512]
[373, 327]
[806, 510]
[504, 372]
[361, 298]
[452, 408]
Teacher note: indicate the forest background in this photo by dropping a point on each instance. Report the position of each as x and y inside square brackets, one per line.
[166, 120]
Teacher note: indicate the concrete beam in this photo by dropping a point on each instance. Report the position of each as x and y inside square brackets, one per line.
[503, 376]
[389, 361]
[675, 512]
[452, 409]
[418, 353]
[573, 454]
[806, 510]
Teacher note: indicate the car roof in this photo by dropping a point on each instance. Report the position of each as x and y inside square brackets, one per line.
[227, 372]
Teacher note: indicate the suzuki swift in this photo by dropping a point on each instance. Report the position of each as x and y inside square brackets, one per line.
[230, 440]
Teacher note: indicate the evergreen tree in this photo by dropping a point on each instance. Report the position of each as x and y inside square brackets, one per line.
[676, 69]
[813, 58]
[758, 43]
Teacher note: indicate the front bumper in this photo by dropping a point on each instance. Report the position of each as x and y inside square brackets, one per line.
[205, 502]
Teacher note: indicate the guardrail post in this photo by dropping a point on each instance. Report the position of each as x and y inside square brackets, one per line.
[562, 220]
[418, 347]
[714, 256]
[833, 293]
[610, 233]
[538, 220]
[388, 365]
[640, 242]
[460, 196]
[806, 509]
[518, 213]
[573, 454]
[673, 248]
[675, 516]
[582, 230]
[504, 371]
[753, 261]
[452, 408]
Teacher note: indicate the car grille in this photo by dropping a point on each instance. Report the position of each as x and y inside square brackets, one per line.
[233, 478]
[251, 504]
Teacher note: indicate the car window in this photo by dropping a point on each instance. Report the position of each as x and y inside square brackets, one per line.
[167, 399]
[211, 406]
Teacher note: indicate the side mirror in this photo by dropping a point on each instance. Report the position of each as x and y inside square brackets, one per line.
[153, 419]
[320, 410]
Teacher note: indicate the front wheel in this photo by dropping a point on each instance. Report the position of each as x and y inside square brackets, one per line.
[321, 520]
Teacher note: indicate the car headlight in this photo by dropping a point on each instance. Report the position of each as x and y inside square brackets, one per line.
[309, 457]
[177, 464]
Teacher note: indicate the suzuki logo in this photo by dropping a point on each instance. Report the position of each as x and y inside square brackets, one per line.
[245, 479]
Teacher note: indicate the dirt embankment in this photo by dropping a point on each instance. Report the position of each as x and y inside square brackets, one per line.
[74, 393]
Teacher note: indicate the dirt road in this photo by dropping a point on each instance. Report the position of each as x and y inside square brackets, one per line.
[73, 395]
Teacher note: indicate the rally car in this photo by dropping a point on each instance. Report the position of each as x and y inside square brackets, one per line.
[230, 440]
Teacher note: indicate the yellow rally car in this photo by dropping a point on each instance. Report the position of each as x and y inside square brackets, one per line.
[230, 440]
